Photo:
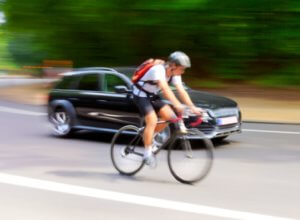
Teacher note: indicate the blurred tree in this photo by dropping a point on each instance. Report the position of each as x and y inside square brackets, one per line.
[231, 40]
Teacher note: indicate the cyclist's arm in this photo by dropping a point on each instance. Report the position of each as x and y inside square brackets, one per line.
[185, 98]
[183, 95]
[168, 93]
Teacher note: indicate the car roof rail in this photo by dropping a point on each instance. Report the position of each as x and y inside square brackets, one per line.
[98, 68]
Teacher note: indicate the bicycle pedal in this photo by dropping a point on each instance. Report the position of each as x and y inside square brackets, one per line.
[183, 132]
[154, 149]
[151, 161]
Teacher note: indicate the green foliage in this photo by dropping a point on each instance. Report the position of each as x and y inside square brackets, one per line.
[202, 83]
[228, 40]
[282, 78]
[6, 62]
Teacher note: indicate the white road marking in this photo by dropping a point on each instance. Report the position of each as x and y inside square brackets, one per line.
[270, 131]
[20, 111]
[132, 199]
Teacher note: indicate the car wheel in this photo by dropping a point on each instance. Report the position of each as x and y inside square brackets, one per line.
[61, 122]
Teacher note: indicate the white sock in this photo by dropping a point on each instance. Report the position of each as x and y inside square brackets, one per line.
[148, 151]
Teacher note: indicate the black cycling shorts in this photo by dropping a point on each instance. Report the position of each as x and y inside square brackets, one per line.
[146, 104]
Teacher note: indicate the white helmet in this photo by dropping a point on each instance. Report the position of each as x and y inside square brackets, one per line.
[180, 58]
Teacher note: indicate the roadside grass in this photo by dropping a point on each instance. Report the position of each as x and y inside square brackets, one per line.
[283, 81]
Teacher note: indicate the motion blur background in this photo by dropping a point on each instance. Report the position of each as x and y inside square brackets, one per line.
[254, 42]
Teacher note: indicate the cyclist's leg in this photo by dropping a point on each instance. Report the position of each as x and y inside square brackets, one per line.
[150, 124]
[146, 109]
[165, 113]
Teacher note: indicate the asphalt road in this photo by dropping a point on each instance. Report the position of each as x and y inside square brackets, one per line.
[255, 176]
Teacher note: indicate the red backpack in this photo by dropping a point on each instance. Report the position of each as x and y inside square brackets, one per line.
[143, 69]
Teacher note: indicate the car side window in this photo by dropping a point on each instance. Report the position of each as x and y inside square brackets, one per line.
[68, 82]
[111, 81]
[89, 82]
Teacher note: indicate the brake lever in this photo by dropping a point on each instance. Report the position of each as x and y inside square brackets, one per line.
[177, 119]
[204, 118]
[198, 122]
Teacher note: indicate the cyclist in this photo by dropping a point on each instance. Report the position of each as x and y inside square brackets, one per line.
[151, 106]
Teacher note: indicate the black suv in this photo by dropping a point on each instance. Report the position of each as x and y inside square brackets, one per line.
[100, 99]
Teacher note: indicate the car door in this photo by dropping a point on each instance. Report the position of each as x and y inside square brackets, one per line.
[86, 99]
[116, 109]
[99, 106]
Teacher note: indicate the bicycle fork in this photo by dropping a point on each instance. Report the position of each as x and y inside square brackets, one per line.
[186, 146]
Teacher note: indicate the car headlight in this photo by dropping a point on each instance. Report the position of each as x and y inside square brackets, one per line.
[224, 112]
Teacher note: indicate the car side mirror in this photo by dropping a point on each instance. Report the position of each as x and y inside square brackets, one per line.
[122, 89]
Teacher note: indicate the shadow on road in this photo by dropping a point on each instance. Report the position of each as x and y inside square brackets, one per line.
[89, 136]
[225, 149]
[107, 138]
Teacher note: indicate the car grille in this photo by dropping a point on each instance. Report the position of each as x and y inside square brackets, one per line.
[223, 112]
[227, 126]
[206, 128]
[211, 126]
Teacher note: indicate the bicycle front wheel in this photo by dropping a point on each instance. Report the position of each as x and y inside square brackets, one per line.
[127, 150]
[193, 159]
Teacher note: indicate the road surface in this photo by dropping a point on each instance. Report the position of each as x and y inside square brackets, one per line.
[255, 176]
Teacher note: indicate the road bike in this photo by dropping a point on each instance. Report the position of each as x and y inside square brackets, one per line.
[189, 154]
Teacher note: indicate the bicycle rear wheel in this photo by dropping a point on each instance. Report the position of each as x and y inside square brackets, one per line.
[193, 159]
[127, 150]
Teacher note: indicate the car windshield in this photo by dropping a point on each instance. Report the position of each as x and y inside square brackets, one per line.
[128, 71]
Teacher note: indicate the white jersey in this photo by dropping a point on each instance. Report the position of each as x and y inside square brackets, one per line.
[155, 73]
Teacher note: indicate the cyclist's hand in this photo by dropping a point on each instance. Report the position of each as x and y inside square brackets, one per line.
[197, 111]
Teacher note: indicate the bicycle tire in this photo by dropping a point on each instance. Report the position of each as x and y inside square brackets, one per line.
[193, 160]
[127, 150]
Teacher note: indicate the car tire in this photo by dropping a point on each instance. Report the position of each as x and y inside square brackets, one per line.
[61, 121]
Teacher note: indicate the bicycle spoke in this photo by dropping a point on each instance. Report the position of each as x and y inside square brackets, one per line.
[127, 151]
[193, 160]
[186, 146]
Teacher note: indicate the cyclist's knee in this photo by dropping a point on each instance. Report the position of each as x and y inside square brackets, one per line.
[151, 119]
[166, 113]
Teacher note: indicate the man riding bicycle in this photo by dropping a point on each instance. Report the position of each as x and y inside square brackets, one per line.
[151, 106]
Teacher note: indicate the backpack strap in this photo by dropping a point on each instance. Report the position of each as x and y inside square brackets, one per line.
[151, 82]
[149, 94]
[170, 80]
